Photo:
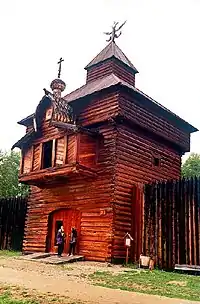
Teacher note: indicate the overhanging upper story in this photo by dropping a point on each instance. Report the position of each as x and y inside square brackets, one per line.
[61, 154]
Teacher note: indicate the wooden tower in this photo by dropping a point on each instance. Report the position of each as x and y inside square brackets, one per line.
[82, 154]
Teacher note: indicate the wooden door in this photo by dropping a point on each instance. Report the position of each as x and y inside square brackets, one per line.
[68, 218]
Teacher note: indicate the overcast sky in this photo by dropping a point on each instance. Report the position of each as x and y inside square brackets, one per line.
[161, 38]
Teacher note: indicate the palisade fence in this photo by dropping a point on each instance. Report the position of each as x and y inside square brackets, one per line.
[167, 222]
[12, 221]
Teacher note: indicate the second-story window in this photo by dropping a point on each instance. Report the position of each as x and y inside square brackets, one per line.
[47, 154]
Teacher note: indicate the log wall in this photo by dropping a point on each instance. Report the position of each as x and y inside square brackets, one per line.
[152, 122]
[99, 109]
[27, 160]
[92, 197]
[88, 150]
[134, 164]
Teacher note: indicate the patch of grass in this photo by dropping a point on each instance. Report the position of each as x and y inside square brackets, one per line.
[18, 295]
[67, 267]
[6, 298]
[157, 282]
[9, 253]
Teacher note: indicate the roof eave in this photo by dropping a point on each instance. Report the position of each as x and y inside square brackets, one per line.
[24, 121]
[93, 93]
[23, 140]
[132, 68]
[190, 128]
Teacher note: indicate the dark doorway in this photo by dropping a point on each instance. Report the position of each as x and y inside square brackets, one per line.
[47, 154]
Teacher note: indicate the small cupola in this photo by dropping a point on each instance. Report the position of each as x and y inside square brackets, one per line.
[111, 60]
[58, 85]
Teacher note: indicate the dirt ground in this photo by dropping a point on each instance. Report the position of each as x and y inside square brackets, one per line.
[71, 281]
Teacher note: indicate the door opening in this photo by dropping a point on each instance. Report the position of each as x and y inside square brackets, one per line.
[67, 218]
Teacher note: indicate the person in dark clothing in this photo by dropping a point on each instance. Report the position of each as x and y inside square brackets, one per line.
[73, 240]
[60, 239]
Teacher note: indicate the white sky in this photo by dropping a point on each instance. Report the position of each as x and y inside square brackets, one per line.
[161, 38]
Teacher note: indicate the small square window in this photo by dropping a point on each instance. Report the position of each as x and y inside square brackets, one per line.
[156, 161]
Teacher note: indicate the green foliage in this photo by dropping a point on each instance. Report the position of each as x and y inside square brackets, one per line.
[9, 253]
[9, 169]
[191, 166]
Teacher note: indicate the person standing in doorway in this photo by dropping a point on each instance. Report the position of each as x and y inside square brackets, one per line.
[60, 239]
[73, 240]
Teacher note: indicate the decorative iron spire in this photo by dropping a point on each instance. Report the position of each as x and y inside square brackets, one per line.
[59, 69]
[113, 33]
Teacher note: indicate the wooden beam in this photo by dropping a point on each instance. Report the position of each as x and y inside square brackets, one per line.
[21, 162]
[40, 155]
[65, 160]
[32, 158]
[53, 153]
[77, 147]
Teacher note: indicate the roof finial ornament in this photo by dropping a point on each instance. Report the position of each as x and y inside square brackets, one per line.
[113, 33]
[58, 85]
[59, 69]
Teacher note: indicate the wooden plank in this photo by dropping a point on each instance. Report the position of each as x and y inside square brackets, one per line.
[194, 223]
[133, 223]
[187, 238]
[189, 229]
[187, 267]
[198, 216]
[40, 156]
[32, 158]
[21, 168]
[159, 232]
[65, 160]
[141, 234]
[54, 147]
[173, 225]
[77, 147]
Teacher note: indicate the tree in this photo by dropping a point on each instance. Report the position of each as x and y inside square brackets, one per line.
[9, 169]
[191, 167]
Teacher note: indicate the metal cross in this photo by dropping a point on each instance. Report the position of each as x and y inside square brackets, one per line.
[113, 33]
[59, 69]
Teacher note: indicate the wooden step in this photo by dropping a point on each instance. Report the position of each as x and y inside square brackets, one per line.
[184, 267]
[37, 255]
[50, 258]
[55, 260]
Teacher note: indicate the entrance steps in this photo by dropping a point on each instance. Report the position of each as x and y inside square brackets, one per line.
[53, 259]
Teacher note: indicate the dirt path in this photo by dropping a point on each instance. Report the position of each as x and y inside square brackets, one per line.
[71, 281]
